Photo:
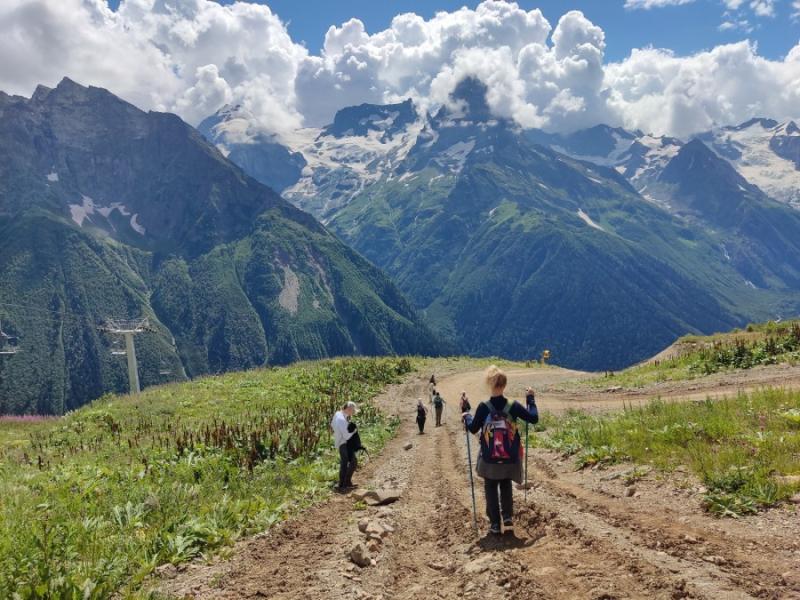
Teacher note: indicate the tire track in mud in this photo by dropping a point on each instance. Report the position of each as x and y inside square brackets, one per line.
[708, 560]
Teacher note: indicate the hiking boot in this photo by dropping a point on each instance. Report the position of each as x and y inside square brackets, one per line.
[508, 525]
[339, 490]
[494, 530]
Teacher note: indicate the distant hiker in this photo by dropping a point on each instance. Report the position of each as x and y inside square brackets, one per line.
[431, 389]
[433, 380]
[438, 405]
[347, 454]
[464, 403]
[422, 415]
[499, 460]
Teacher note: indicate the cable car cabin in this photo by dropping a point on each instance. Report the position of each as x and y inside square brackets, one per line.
[164, 368]
[8, 343]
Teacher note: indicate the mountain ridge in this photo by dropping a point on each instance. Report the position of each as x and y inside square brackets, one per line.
[464, 175]
[108, 211]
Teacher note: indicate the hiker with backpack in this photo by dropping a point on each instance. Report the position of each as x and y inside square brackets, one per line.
[438, 406]
[343, 430]
[422, 415]
[500, 456]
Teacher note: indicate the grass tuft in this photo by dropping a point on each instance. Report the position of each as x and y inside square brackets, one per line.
[740, 448]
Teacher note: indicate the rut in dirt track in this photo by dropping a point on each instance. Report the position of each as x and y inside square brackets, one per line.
[570, 542]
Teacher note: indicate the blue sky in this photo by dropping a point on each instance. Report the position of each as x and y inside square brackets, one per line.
[686, 29]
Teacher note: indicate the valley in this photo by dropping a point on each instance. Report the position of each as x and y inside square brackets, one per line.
[578, 243]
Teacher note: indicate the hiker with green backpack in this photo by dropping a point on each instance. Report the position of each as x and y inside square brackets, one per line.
[438, 406]
[501, 452]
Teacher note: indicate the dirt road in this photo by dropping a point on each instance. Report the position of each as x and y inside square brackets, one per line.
[580, 535]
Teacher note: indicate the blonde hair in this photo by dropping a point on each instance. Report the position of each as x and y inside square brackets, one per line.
[495, 378]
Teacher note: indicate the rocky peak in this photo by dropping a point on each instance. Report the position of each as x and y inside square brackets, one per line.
[694, 159]
[472, 93]
[362, 119]
[763, 122]
[786, 142]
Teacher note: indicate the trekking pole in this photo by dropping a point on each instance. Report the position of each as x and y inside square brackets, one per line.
[529, 394]
[472, 485]
[525, 493]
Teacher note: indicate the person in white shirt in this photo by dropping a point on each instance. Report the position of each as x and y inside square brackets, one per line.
[342, 432]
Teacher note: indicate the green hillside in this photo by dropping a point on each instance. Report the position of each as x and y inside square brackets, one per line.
[524, 249]
[110, 212]
[95, 500]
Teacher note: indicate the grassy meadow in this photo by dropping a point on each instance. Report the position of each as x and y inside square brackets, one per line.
[739, 447]
[94, 501]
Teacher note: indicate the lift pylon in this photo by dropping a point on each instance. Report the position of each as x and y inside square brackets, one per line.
[127, 328]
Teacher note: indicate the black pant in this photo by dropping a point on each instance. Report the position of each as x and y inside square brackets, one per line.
[438, 415]
[347, 465]
[421, 424]
[493, 502]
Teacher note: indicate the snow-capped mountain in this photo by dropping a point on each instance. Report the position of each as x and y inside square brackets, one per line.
[765, 152]
[321, 169]
[261, 155]
[638, 156]
[336, 162]
[453, 202]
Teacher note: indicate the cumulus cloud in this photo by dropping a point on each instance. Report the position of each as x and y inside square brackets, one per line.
[536, 74]
[405, 59]
[192, 56]
[656, 90]
[187, 56]
[41, 41]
